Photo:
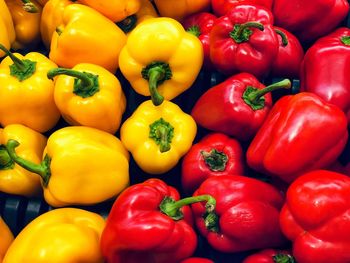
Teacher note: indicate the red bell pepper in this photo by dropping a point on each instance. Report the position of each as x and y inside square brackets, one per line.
[244, 41]
[270, 256]
[146, 225]
[289, 57]
[238, 106]
[316, 217]
[326, 68]
[222, 7]
[301, 133]
[246, 215]
[309, 20]
[200, 24]
[197, 260]
[214, 155]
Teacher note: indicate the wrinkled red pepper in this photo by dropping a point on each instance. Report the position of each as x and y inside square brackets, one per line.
[147, 225]
[289, 57]
[326, 68]
[309, 20]
[200, 24]
[222, 7]
[244, 41]
[246, 214]
[197, 260]
[214, 155]
[238, 106]
[301, 133]
[316, 217]
[270, 256]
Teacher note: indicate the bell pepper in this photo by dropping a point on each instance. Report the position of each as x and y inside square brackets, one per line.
[7, 30]
[13, 178]
[26, 94]
[42, 2]
[148, 223]
[325, 69]
[197, 260]
[244, 40]
[161, 59]
[86, 36]
[216, 154]
[315, 217]
[222, 7]
[289, 57]
[27, 25]
[89, 95]
[80, 166]
[302, 18]
[246, 216]
[115, 10]
[6, 238]
[200, 24]
[301, 133]
[158, 136]
[179, 9]
[60, 235]
[238, 106]
[51, 18]
[270, 256]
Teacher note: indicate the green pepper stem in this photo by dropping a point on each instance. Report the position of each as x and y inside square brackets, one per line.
[194, 30]
[283, 37]
[215, 160]
[255, 95]
[5, 159]
[155, 74]
[42, 169]
[242, 32]
[29, 7]
[283, 258]
[85, 81]
[345, 40]
[162, 133]
[128, 23]
[17, 62]
[249, 25]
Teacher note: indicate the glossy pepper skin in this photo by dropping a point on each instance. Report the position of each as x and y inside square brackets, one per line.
[216, 154]
[238, 106]
[61, 235]
[200, 24]
[179, 9]
[7, 30]
[197, 260]
[289, 57]
[149, 224]
[89, 95]
[158, 136]
[244, 40]
[325, 68]
[74, 160]
[222, 7]
[246, 213]
[315, 217]
[86, 36]
[115, 10]
[301, 133]
[6, 238]
[27, 25]
[13, 178]
[270, 255]
[303, 17]
[161, 59]
[26, 94]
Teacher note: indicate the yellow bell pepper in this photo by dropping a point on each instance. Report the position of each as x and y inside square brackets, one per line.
[26, 94]
[6, 238]
[86, 36]
[161, 59]
[51, 18]
[179, 9]
[89, 95]
[13, 178]
[68, 235]
[115, 10]
[7, 30]
[81, 166]
[158, 136]
[27, 25]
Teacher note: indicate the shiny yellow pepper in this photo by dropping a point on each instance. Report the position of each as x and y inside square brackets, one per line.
[89, 95]
[81, 166]
[6, 238]
[68, 235]
[86, 36]
[26, 94]
[13, 178]
[27, 24]
[161, 59]
[7, 30]
[158, 136]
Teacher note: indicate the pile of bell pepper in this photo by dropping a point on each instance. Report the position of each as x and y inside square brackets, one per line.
[209, 130]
